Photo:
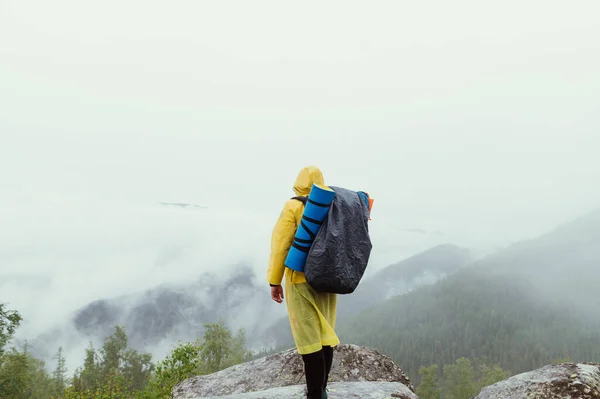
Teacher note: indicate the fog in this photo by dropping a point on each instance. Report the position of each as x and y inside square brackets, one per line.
[470, 123]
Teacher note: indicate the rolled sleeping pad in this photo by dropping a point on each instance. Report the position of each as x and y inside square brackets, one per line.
[315, 212]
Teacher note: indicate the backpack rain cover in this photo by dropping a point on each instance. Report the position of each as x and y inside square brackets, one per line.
[340, 252]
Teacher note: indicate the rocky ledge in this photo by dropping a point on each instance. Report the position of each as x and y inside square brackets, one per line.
[358, 371]
[558, 381]
[337, 390]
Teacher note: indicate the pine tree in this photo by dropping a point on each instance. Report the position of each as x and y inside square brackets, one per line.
[14, 374]
[89, 376]
[116, 369]
[137, 368]
[113, 351]
[59, 376]
[39, 382]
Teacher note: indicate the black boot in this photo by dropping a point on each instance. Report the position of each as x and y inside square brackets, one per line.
[328, 354]
[314, 368]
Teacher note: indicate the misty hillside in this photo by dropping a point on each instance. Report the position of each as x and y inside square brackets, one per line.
[552, 266]
[422, 269]
[162, 316]
[563, 265]
[402, 277]
[180, 310]
[497, 310]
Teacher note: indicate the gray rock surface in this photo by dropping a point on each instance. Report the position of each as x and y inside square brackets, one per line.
[558, 381]
[351, 363]
[338, 390]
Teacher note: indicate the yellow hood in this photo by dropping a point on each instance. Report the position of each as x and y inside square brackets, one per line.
[306, 178]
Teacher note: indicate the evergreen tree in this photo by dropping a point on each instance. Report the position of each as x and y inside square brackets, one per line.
[14, 374]
[116, 368]
[89, 377]
[137, 368]
[59, 376]
[39, 384]
[116, 386]
[113, 351]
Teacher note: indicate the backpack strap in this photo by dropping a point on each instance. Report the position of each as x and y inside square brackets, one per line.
[301, 199]
[312, 235]
[304, 200]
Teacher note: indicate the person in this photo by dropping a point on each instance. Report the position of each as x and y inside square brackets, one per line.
[311, 314]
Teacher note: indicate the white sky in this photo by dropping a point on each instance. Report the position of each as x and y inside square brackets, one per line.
[477, 119]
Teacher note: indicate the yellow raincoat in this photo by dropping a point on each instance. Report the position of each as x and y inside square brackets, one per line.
[312, 314]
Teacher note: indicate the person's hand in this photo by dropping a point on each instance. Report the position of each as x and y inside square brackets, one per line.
[277, 293]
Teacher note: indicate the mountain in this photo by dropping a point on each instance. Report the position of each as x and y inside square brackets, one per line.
[473, 314]
[180, 310]
[543, 287]
[422, 269]
[562, 266]
[158, 318]
[520, 308]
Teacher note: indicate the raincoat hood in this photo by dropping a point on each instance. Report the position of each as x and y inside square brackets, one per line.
[306, 178]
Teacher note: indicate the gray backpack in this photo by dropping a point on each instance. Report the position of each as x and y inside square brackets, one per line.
[339, 255]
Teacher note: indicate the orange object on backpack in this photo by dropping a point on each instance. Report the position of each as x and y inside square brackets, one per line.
[371, 200]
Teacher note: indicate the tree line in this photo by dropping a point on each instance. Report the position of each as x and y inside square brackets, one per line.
[472, 327]
[114, 371]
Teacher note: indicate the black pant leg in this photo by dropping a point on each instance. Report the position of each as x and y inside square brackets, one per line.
[314, 368]
[328, 354]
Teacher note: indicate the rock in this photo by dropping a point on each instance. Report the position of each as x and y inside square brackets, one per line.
[558, 381]
[337, 390]
[351, 363]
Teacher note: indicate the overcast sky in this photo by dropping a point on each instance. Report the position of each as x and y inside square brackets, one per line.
[477, 122]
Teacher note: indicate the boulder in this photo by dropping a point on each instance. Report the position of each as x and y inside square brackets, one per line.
[351, 363]
[558, 381]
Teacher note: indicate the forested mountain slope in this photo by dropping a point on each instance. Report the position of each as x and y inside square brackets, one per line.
[518, 308]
